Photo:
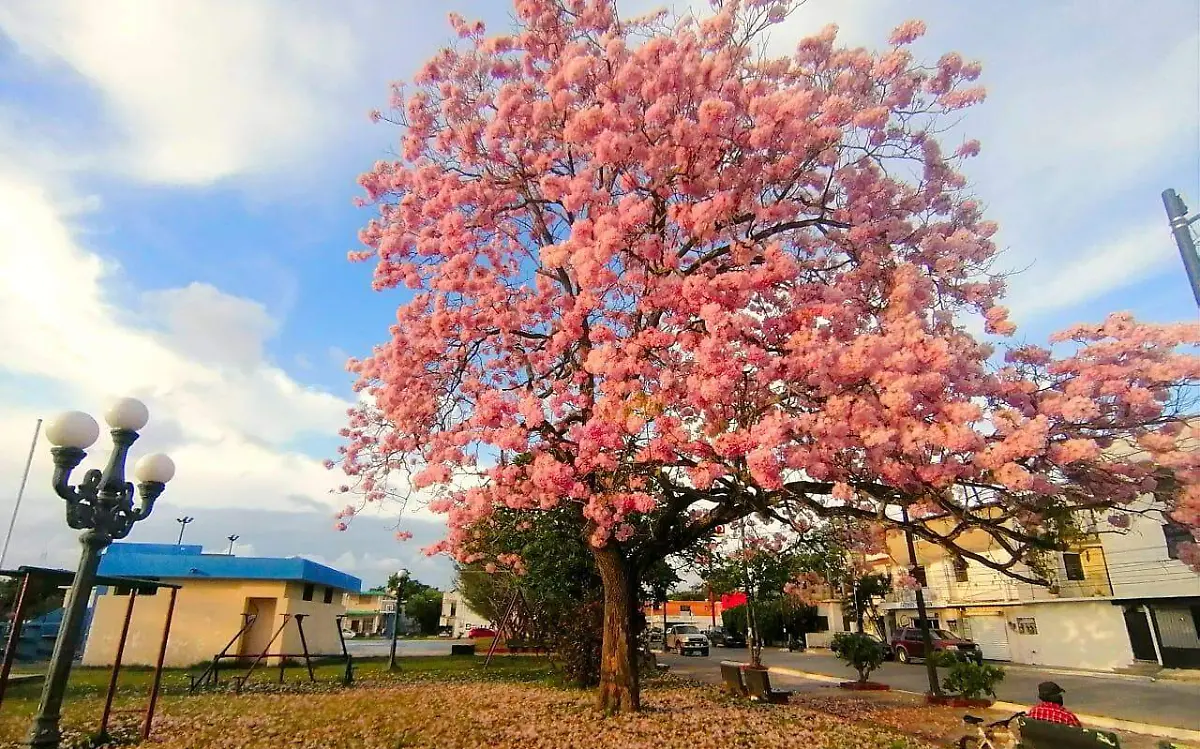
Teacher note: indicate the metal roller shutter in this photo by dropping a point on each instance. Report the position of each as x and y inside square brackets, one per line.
[991, 634]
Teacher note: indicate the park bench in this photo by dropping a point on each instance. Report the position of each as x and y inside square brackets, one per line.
[731, 675]
[1040, 734]
[461, 649]
[758, 684]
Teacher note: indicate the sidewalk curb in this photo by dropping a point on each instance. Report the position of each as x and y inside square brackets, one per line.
[1099, 721]
[1062, 671]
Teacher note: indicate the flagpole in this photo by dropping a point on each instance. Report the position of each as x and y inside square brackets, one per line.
[20, 492]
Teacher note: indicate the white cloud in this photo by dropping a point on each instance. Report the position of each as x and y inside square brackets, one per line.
[229, 417]
[1137, 254]
[202, 90]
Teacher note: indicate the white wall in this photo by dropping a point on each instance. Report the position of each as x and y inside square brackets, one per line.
[1071, 634]
[1139, 566]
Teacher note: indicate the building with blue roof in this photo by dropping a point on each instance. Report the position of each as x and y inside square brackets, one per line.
[260, 603]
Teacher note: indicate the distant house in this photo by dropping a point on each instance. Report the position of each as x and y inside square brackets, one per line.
[219, 593]
[1120, 597]
[703, 614]
[370, 613]
[457, 617]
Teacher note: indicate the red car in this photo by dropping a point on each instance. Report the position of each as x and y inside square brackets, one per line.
[479, 633]
[907, 644]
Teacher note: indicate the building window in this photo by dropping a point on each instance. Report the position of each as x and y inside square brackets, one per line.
[1074, 565]
[309, 589]
[1176, 535]
[453, 608]
[329, 595]
[960, 570]
[918, 574]
[822, 624]
[1027, 626]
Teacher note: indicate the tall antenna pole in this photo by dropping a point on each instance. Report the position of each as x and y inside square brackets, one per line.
[20, 492]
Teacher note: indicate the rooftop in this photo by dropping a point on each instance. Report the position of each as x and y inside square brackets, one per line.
[172, 562]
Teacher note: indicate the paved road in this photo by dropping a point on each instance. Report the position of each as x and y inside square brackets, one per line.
[375, 646]
[1159, 702]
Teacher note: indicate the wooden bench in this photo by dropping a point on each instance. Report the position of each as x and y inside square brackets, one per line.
[758, 684]
[731, 675]
[1040, 734]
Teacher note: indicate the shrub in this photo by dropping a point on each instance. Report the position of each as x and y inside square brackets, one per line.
[861, 652]
[973, 680]
[577, 642]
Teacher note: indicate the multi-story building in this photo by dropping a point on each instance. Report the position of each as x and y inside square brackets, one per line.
[370, 613]
[1120, 598]
[457, 617]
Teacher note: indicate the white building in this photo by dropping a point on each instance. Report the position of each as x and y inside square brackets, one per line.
[1120, 599]
[457, 617]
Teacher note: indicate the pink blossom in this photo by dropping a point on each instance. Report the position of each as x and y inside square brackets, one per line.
[907, 33]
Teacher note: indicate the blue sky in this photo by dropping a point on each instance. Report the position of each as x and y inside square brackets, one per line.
[175, 210]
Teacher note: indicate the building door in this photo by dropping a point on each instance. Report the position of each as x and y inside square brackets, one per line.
[1140, 637]
[256, 638]
[990, 633]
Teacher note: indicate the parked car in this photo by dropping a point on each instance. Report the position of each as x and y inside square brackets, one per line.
[654, 637]
[907, 644]
[686, 638]
[478, 633]
[720, 637]
[349, 634]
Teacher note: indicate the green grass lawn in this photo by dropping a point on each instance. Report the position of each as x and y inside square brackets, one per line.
[85, 692]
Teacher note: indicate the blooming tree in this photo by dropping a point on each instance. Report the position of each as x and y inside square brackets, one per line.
[665, 282]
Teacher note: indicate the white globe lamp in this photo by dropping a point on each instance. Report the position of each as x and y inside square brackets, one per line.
[127, 413]
[72, 429]
[155, 467]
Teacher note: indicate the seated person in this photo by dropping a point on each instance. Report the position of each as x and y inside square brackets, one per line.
[1050, 706]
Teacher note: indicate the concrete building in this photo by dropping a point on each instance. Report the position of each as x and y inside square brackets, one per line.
[1118, 599]
[217, 590]
[457, 617]
[700, 613]
[369, 613]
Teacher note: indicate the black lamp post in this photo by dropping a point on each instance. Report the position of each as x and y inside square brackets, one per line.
[102, 507]
[232, 537]
[183, 524]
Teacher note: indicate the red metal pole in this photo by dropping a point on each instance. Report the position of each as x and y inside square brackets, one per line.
[158, 666]
[116, 669]
[14, 635]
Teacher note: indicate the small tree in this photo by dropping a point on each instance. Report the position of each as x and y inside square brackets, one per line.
[861, 652]
[972, 680]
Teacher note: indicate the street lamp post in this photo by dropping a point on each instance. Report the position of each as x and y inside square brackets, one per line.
[183, 524]
[232, 538]
[102, 507]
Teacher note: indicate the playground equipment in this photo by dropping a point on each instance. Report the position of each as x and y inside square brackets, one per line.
[211, 676]
[63, 578]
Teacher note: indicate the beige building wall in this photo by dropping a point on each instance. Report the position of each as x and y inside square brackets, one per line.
[1071, 634]
[208, 613]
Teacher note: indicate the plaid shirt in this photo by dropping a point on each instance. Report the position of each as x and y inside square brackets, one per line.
[1052, 713]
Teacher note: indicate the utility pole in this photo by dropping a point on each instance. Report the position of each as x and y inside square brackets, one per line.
[922, 614]
[1181, 228]
[232, 538]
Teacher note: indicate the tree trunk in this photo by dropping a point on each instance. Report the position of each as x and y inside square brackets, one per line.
[619, 690]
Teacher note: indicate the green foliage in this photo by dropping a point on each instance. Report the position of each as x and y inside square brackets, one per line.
[43, 596]
[861, 652]
[425, 608]
[577, 643]
[972, 680]
[774, 617]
